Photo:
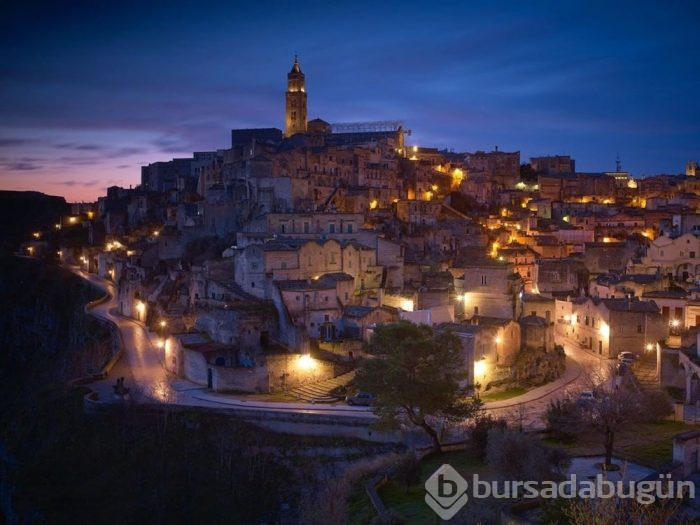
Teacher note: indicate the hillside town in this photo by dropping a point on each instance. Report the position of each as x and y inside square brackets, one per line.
[264, 267]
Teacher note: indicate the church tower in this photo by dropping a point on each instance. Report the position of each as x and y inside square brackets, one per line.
[295, 98]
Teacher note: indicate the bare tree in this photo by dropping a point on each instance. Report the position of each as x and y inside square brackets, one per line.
[617, 401]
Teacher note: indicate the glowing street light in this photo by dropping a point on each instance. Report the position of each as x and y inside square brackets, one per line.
[649, 347]
[140, 309]
[163, 324]
[306, 362]
[480, 367]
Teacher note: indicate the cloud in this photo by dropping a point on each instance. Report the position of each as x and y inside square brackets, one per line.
[124, 152]
[79, 147]
[12, 142]
[21, 165]
[73, 183]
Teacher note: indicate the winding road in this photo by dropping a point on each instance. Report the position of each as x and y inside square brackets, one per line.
[149, 382]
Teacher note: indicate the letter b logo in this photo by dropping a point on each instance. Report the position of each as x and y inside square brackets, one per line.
[446, 492]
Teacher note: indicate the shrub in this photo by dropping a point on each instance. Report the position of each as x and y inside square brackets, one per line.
[480, 433]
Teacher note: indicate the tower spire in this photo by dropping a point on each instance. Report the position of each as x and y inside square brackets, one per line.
[295, 101]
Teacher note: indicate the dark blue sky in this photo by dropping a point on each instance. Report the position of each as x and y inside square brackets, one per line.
[90, 91]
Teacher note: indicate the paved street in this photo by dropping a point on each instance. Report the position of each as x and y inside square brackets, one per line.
[582, 370]
[148, 381]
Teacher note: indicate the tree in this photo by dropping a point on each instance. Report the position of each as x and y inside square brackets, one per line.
[617, 403]
[415, 374]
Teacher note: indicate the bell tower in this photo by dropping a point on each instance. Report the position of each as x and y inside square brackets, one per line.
[295, 99]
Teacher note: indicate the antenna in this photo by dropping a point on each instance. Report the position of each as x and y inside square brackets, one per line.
[618, 165]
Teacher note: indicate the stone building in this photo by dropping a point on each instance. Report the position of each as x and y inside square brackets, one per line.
[487, 287]
[609, 326]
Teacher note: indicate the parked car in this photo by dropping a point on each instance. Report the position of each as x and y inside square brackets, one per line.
[361, 399]
[627, 357]
[586, 395]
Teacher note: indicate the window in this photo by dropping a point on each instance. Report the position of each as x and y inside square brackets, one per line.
[332, 227]
[639, 328]
[306, 227]
[483, 280]
[692, 255]
[284, 265]
[349, 228]
[252, 285]
[283, 228]
[476, 310]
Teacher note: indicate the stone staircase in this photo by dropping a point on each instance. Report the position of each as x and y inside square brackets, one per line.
[321, 392]
[644, 370]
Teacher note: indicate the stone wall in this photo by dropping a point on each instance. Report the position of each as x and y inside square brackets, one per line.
[287, 371]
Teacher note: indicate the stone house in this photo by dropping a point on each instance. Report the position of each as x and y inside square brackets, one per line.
[537, 332]
[488, 349]
[359, 321]
[677, 258]
[560, 277]
[317, 304]
[607, 327]
[487, 287]
[256, 266]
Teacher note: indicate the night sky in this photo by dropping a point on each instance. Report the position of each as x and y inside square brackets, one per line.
[91, 91]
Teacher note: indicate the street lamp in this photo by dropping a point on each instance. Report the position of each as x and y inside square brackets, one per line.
[480, 371]
[140, 308]
[675, 326]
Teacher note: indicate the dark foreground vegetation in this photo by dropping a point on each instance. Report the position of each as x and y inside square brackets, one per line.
[127, 466]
